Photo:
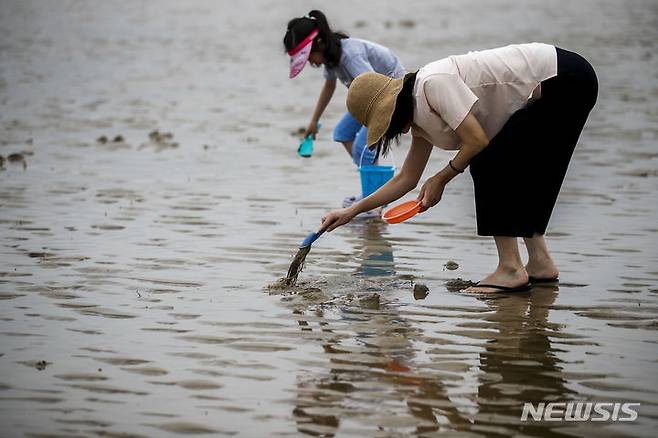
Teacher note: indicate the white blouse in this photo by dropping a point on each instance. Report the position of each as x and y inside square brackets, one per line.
[493, 84]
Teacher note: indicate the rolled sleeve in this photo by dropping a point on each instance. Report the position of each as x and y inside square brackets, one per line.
[449, 96]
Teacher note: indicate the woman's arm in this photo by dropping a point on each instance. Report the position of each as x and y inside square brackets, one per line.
[324, 99]
[402, 183]
[473, 140]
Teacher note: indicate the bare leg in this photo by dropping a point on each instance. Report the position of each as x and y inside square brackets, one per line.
[348, 147]
[540, 263]
[510, 271]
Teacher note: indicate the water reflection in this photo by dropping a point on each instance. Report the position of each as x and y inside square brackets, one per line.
[519, 363]
[383, 369]
[376, 251]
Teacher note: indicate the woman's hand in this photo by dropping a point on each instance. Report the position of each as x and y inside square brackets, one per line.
[311, 129]
[431, 192]
[336, 218]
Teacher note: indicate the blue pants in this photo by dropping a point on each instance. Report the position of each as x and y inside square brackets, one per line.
[349, 129]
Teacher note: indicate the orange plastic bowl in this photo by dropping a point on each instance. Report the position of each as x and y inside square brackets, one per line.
[401, 212]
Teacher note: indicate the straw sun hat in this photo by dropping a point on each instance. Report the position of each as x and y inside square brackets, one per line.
[371, 100]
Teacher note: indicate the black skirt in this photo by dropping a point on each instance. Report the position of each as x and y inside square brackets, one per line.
[518, 176]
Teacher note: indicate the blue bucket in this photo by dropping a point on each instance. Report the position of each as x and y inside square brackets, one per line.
[373, 177]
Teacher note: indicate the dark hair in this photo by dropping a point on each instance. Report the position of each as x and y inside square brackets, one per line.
[402, 115]
[300, 28]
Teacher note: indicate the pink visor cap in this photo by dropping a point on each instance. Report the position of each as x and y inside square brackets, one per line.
[299, 55]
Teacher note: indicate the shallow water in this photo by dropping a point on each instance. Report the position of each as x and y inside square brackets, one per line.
[134, 273]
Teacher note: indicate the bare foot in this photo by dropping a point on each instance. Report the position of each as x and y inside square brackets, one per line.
[540, 263]
[546, 270]
[501, 277]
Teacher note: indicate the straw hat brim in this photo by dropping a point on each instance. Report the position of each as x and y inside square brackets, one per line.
[371, 100]
[382, 110]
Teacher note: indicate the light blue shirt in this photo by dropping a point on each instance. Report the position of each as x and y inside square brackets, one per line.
[361, 56]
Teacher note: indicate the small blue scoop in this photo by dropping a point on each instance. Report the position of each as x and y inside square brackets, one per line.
[310, 239]
[306, 147]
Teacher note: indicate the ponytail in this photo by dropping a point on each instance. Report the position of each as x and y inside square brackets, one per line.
[300, 28]
[331, 39]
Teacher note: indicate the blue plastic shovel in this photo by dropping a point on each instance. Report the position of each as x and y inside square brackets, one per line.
[306, 147]
[310, 239]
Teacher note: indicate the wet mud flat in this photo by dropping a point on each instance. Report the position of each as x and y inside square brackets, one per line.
[150, 192]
